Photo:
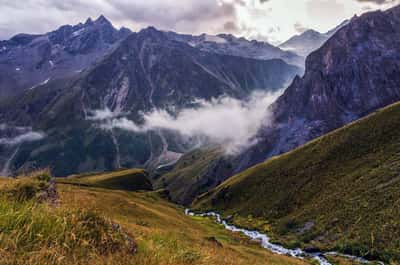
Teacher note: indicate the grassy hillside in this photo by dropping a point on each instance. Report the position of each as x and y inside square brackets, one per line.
[129, 179]
[35, 231]
[195, 173]
[340, 191]
[90, 225]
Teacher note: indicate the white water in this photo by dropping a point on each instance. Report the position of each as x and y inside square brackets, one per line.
[277, 249]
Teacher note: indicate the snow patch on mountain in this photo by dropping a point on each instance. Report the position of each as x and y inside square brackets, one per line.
[26, 137]
[78, 32]
[216, 39]
[45, 81]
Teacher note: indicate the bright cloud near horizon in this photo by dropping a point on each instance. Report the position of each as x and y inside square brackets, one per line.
[270, 20]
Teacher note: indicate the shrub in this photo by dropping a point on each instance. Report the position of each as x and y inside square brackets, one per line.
[31, 228]
[43, 175]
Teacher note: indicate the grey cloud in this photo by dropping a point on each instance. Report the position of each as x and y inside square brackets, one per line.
[227, 121]
[299, 27]
[190, 16]
[231, 27]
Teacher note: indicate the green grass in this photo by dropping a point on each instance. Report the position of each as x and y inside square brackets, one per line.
[345, 184]
[164, 234]
[33, 232]
[129, 179]
[25, 188]
[194, 173]
[90, 225]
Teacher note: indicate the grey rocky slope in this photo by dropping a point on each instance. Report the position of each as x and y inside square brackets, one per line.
[354, 73]
[309, 41]
[230, 45]
[145, 71]
[28, 61]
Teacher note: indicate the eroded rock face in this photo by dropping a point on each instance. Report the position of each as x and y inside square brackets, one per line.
[228, 44]
[144, 71]
[309, 41]
[29, 61]
[354, 73]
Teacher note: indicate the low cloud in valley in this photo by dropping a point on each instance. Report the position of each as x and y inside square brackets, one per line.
[227, 121]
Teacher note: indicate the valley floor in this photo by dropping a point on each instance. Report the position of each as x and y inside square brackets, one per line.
[83, 225]
[164, 234]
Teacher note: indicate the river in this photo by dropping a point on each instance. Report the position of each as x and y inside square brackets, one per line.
[278, 249]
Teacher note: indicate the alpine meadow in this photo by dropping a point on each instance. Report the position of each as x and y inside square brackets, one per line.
[215, 132]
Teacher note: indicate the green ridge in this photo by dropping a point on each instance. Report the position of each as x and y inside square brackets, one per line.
[195, 173]
[98, 226]
[340, 191]
[128, 179]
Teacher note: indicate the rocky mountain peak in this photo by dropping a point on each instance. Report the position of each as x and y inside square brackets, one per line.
[153, 34]
[66, 51]
[150, 31]
[311, 33]
[309, 41]
[228, 44]
[89, 22]
[102, 20]
[145, 71]
[354, 73]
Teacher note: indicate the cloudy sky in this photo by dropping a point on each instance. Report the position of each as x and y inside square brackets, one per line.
[269, 20]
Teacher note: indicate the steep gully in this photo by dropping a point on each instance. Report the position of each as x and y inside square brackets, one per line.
[6, 168]
[264, 240]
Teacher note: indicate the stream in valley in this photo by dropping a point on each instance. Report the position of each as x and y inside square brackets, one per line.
[278, 249]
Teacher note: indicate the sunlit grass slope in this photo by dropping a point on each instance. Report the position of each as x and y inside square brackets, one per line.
[33, 231]
[195, 173]
[165, 235]
[127, 179]
[92, 225]
[340, 191]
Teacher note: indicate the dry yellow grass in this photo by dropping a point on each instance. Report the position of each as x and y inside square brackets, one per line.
[80, 230]
[127, 179]
[164, 234]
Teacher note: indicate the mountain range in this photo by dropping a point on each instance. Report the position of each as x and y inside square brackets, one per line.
[126, 74]
[28, 61]
[318, 175]
[309, 41]
[134, 73]
[335, 192]
[354, 73]
[230, 45]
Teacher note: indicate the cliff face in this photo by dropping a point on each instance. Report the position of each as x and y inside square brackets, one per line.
[144, 71]
[356, 71]
[28, 61]
[352, 74]
[309, 41]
